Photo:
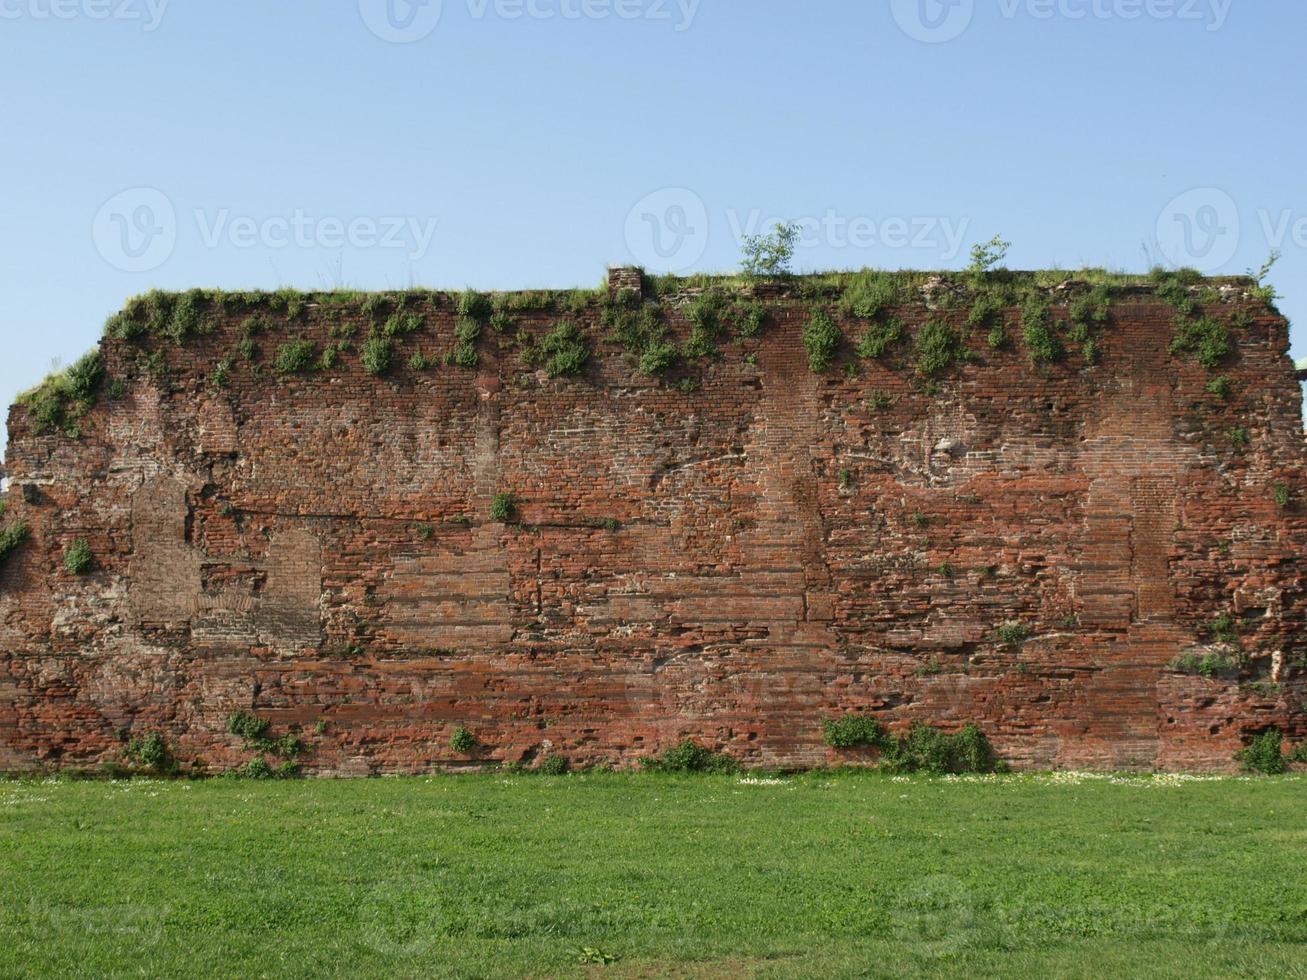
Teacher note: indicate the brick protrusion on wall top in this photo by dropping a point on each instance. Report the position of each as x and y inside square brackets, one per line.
[626, 277]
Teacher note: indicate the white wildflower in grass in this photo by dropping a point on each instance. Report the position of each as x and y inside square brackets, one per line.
[762, 781]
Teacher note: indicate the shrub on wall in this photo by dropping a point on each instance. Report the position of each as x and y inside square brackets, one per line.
[937, 347]
[462, 740]
[1265, 754]
[13, 536]
[1012, 634]
[821, 338]
[402, 324]
[151, 751]
[878, 337]
[475, 306]
[64, 397]
[750, 318]
[565, 350]
[929, 750]
[1044, 346]
[1204, 337]
[853, 731]
[376, 354]
[78, 558]
[689, 756]
[503, 508]
[466, 333]
[1209, 665]
[658, 358]
[295, 357]
[870, 294]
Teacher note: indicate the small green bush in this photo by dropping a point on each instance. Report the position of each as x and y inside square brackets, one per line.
[770, 255]
[13, 536]
[376, 355]
[1220, 387]
[1012, 634]
[1283, 495]
[64, 397]
[937, 347]
[466, 333]
[750, 318]
[503, 508]
[417, 361]
[878, 337]
[690, 756]
[1044, 346]
[871, 293]
[249, 727]
[220, 376]
[475, 306]
[929, 750]
[78, 557]
[565, 350]
[658, 358]
[1204, 337]
[852, 731]
[152, 752]
[1265, 754]
[375, 305]
[1224, 629]
[295, 357]
[1209, 665]
[187, 317]
[402, 324]
[462, 741]
[705, 315]
[258, 768]
[986, 256]
[986, 311]
[1092, 308]
[635, 325]
[555, 765]
[821, 338]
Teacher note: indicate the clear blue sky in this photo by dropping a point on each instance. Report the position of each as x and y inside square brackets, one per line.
[533, 133]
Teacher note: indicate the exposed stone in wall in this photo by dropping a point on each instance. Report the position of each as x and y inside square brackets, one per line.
[731, 560]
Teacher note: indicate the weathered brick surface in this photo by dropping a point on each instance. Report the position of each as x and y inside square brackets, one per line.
[261, 547]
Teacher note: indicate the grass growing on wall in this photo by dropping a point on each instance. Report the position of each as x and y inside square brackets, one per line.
[828, 874]
[1061, 311]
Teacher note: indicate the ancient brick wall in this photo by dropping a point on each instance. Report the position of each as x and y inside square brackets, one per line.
[732, 552]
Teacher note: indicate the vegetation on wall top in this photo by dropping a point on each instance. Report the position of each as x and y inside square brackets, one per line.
[1059, 314]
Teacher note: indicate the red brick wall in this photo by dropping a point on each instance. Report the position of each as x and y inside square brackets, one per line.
[790, 546]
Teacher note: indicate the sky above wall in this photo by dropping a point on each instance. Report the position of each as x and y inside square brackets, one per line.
[517, 143]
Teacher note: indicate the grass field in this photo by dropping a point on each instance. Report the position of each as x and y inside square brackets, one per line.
[815, 875]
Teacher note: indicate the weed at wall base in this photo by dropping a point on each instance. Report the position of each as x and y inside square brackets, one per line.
[690, 757]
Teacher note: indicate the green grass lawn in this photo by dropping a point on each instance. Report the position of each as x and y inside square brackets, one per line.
[816, 875]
